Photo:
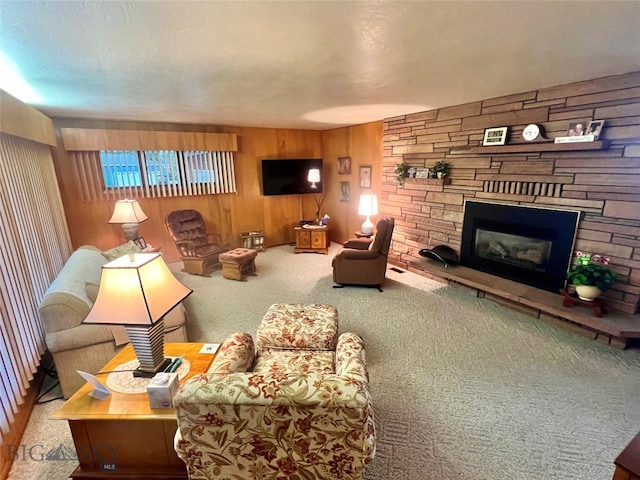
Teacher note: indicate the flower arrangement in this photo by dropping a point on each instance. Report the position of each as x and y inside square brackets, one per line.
[591, 270]
[402, 170]
[441, 168]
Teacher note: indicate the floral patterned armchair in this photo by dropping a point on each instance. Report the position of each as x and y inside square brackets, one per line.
[276, 413]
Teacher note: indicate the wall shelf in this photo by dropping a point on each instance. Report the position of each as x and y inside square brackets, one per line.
[429, 181]
[534, 147]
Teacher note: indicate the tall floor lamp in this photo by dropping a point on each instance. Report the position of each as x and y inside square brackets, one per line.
[129, 214]
[368, 206]
[137, 291]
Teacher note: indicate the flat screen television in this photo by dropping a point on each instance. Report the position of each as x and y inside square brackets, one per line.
[290, 176]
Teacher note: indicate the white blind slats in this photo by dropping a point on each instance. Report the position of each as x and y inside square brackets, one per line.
[113, 174]
[34, 244]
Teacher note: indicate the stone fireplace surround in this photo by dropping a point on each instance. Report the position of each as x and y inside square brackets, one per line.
[603, 181]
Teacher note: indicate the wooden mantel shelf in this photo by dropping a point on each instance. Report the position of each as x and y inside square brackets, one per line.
[617, 327]
[534, 147]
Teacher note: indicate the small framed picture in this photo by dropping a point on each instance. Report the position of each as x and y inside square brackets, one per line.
[594, 128]
[344, 165]
[140, 243]
[495, 136]
[365, 176]
[576, 129]
[345, 192]
[422, 173]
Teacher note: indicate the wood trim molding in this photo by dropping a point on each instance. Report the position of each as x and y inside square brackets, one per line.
[21, 120]
[94, 139]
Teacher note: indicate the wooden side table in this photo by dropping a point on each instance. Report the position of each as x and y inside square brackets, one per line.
[313, 239]
[120, 436]
[363, 235]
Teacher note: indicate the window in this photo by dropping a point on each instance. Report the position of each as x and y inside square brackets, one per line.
[153, 173]
[121, 168]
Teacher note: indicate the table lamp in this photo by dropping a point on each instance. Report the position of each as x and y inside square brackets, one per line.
[313, 177]
[129, 214]
[368, 206]
[137, 291]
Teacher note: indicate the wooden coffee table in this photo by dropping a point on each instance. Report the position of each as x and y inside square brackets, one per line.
[120, 436]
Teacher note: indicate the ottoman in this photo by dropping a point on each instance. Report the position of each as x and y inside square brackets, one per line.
[238, 263]
[299, 326]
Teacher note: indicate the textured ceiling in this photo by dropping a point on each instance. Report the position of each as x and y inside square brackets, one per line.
[310, 64]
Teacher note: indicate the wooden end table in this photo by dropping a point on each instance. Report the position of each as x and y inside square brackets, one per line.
[314, 238]
[120, 436]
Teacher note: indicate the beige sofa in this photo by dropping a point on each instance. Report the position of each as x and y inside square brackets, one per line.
[67, 302]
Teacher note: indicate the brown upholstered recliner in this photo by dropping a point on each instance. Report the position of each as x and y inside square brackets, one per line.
[360, 263]
[199, 251]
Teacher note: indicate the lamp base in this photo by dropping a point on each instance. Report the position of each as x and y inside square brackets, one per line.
[148, 343]
[367, 226]
[130, 231]
[140, 373]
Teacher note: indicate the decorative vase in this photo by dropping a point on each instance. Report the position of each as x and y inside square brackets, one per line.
[440, 174]
[588, 293]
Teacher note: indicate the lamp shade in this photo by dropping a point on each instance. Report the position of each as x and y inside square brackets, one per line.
[127, 211]
[313, 177]
[138, 292]
[368, 205]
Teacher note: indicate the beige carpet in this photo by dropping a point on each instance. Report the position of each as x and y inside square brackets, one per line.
[463, 389]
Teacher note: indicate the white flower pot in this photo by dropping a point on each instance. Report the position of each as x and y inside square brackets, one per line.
[588, 293]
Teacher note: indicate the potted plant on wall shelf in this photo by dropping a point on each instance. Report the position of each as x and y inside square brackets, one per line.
[441, 169]
[590, 276]
[402, 170]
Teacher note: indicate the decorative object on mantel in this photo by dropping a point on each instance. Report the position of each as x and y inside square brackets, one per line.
[577, 132]
[495, 136]
[594, 128]
[402, 170]
[441, 169]
[532, 132]
[590, 276]
[422, 173]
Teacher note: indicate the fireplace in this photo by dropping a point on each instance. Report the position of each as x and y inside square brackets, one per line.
[525, 244]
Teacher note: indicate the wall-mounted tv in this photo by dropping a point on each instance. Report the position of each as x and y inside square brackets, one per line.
[290, 176]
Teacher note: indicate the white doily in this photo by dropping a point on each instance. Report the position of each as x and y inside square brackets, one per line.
[121, 380]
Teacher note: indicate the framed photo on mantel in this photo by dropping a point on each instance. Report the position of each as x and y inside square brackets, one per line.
[495, 136]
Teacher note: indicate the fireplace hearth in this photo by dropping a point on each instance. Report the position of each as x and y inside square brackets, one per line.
[526, 244]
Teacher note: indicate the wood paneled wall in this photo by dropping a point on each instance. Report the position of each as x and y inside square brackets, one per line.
[604, 184]
[363, 143]
[229, 215]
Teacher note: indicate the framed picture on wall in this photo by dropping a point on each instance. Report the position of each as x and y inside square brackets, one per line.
[345, 191]
[365, 176]
[344, 165]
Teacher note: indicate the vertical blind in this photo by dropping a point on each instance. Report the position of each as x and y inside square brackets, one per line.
[121, 174]
[34, 245]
